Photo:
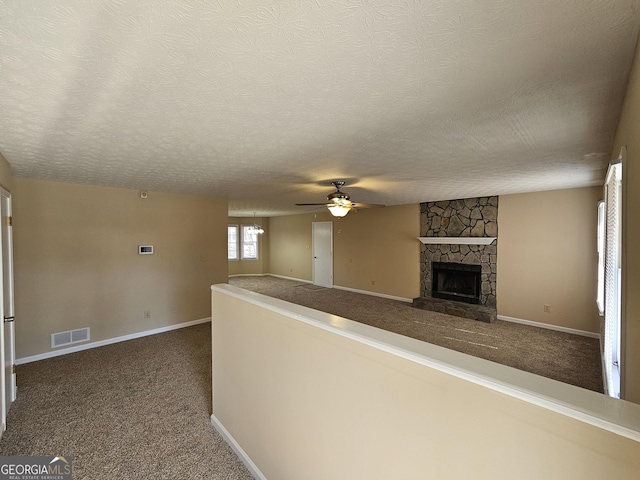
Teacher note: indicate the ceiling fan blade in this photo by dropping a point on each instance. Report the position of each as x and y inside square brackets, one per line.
[366, 205]
[311, 204]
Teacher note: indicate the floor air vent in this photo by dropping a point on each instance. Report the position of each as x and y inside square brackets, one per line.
[61, 339]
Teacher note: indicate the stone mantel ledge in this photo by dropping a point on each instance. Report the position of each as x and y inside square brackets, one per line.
[457, 240]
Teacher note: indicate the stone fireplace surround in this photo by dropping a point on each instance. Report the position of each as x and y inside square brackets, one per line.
[471, 220]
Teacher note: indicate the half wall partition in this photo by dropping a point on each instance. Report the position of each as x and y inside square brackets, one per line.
[302, 394]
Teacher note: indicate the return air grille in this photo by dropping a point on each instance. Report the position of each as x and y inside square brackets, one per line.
[61, 339]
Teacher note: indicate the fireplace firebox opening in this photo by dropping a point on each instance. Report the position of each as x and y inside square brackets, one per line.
[456, 281]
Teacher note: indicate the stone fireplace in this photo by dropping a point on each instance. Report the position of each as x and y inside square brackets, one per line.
[458, 257]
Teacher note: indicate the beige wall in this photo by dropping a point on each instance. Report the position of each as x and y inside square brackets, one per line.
[342, 409]
[379, 246]
[252, 267]
[76, 260]
[628, 134]
[290, 244]
[372, 245]
[547, 256]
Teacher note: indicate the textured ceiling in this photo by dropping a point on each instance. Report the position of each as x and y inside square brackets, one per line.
[267, 102]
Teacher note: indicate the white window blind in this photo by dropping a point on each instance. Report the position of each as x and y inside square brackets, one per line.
[232, 242]
[249, 243]
[612, 278]
[602, 228]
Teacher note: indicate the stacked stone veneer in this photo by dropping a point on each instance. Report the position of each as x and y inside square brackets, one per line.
[470, 217]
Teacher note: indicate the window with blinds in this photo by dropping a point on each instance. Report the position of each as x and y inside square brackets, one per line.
[249, 243]
[232, 242]
[612, 277]
[602, 228]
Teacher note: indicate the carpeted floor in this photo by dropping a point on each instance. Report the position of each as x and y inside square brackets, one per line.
[569, 358]
[133, 410]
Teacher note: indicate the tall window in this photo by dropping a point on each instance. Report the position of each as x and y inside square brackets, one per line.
[602, 231]
[232, 242]
[612, 277]
[249, 243]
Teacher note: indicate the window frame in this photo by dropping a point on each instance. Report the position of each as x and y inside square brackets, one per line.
[244, 243]
[237, 242]
[601, 237]
[611, 336]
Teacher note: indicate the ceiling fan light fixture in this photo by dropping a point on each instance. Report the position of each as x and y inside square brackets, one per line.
[339, 207]
[338, 210]
[339, 203]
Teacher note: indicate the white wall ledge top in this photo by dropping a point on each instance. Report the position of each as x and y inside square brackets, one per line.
[457, 240]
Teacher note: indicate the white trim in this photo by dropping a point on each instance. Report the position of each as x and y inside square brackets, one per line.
[457, 240]
[248, 275]
[289, 278]
[235, 446]
[574, 331]
[617, 161]
[109, 341]
[616, 416]
[374, 294]
[355, 290]
[603, 365]
[237, 227]
[242, 242]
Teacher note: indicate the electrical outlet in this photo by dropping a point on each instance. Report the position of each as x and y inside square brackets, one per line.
[147, 314]
[547, 308]
[373, 282]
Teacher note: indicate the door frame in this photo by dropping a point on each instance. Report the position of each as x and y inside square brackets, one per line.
[6, 282]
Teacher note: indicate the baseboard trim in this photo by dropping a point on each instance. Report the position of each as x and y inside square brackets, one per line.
[288, 278]
[374, 294]
[574, 331]
[109, 341]
[235, 446]
[349, 289]
[249, 275]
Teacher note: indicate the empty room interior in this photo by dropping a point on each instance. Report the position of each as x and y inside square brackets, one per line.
[377, 238]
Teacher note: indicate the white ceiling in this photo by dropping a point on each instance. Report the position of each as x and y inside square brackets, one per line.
[266, 102]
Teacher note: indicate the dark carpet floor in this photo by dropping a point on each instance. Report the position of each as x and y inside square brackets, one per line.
[133, 410]
[569, 358]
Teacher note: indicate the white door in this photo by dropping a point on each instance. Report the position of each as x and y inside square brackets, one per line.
[8, 332]
[322, 233]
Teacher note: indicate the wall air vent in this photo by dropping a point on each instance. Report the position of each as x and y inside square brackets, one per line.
[70, 337]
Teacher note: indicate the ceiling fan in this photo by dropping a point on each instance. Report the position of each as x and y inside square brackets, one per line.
[339, 203]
